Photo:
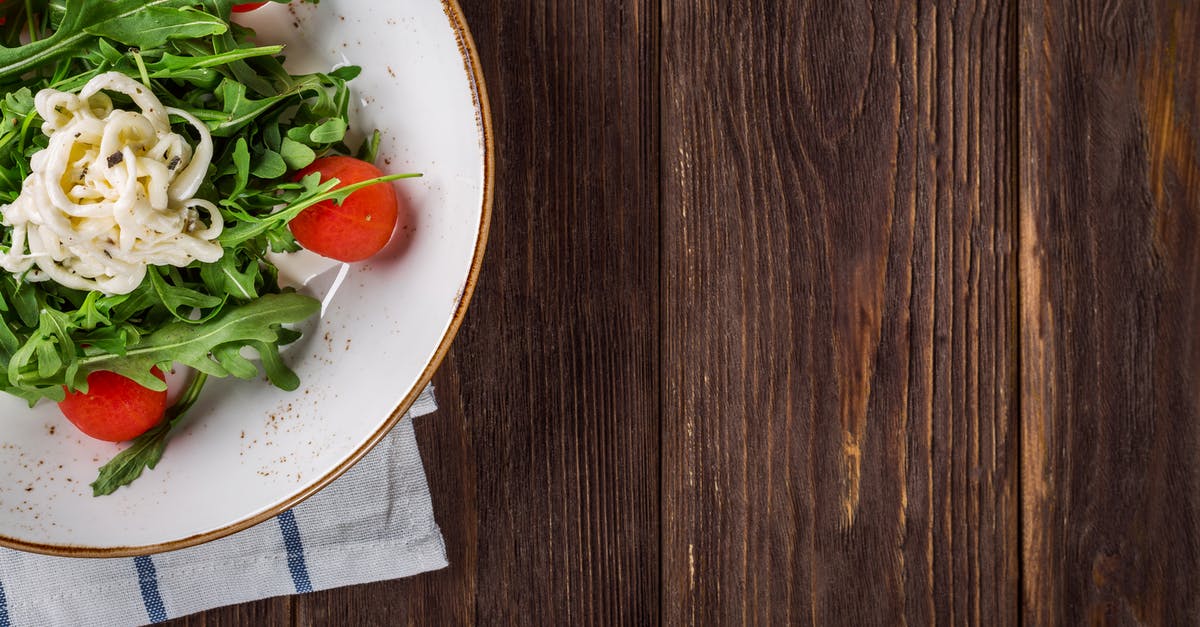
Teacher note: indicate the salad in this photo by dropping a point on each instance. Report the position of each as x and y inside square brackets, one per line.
[155, 162]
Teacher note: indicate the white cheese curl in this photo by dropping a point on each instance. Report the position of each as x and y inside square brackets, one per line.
[113, 193]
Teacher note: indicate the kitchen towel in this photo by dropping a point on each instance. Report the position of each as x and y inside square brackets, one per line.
[373, 523]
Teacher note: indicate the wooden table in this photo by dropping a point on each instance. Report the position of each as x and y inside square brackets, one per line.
[795, 314]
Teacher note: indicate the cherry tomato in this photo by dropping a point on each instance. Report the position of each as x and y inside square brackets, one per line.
[248, 7]
[359, 227]
[115, 408]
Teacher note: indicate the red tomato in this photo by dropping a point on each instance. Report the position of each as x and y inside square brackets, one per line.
[359, 227]
[246, 8]
[115, 408]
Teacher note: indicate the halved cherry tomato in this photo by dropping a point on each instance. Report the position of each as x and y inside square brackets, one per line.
[359, 227]
[248, 7]
[115, 408]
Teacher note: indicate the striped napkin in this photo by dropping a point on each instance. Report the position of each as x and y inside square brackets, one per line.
[372, 524]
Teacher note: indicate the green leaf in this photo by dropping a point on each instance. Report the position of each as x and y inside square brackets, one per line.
[19, 103]
[26, 303]
[237, 109]
[281, 240]
[181, 301]
[297, 156]
[136, 301]
[270, 166]
[192, 345]
[346, 72]
[327, 190]
[110, 339]
[254, 79]
[278, 372]
[109, 52]
[154, 26]
[241, 160]
[71, 36]
[91, 314]
[145, 452]
[225, 277]
[331, 132]
[369, 151]
[230, 357]
[9, 343]
[271, 136]
[172, 65]
[302, 133]
[47, 350]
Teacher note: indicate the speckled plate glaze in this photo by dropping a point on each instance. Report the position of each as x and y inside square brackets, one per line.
[249, 451]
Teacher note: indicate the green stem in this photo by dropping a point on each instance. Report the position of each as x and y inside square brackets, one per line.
[141, 64]
[33, 28]
[242, 233]
[219, 59]
[189, 398]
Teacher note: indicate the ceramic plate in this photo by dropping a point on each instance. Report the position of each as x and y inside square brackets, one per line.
[248, 450]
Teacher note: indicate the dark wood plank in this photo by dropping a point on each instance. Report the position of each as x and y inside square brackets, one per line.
[265, 612]
[557, 366]
[543, 458]
[838, 296]
[552, 384]
[1110, 270]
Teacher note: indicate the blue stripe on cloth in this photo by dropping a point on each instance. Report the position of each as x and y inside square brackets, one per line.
[148, 579]
[295, 551]
[4, 622]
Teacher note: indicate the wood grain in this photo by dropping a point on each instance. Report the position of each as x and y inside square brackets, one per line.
[551, 383]
[821, 313]
[1110, 269]
[839, 391]
[543, 458]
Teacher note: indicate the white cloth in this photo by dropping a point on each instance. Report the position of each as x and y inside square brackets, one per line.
[372, 524]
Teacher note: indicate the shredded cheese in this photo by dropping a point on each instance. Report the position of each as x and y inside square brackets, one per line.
[112, 194]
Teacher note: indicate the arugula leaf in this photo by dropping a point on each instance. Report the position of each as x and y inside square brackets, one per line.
[181, 301]
[296, 155]
[72, 36]
[155, 25]
[9, 343]
[369, 151]
[192, 345]
[330, 132]
[92, 313]
[145, 453]
[327, 190]
[227, 276]
[172, 65]
[277, 372]
[271, 165]
[112, 339]
[241, 161]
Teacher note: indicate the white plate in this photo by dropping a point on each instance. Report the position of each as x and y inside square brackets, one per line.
[249, 450]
